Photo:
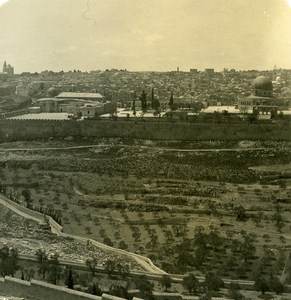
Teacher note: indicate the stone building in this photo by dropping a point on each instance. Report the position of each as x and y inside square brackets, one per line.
[7, 68]
[261, 101]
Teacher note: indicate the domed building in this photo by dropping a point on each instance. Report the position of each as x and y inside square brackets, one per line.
[261, 101]
[262, 87]
[52, 92]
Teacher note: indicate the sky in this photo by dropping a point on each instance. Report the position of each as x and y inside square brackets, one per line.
[145, 35]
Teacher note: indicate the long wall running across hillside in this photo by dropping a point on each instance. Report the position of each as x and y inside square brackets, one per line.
[11, 130]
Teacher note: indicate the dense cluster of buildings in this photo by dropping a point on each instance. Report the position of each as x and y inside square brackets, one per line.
[97, 92]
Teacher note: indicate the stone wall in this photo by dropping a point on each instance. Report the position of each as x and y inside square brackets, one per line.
[56, 228]
[11, 130]
[37, 290]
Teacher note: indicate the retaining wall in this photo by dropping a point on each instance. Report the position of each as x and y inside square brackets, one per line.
[11, 130]
[56, 228]
[37, 290]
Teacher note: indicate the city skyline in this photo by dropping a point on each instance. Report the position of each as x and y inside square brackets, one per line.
[155, 35]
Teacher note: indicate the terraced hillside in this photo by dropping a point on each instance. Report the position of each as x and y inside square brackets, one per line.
[194, 206]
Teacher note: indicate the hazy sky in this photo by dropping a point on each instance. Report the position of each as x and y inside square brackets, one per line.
[56, 35]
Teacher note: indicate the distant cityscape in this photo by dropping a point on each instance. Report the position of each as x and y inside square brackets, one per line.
[124, 93]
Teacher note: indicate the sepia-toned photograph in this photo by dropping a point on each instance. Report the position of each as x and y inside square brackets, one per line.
[145, 149]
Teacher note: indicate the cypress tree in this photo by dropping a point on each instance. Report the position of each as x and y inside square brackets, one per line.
[153, 100]
[143, 99]
[171, 103]
[70, 280]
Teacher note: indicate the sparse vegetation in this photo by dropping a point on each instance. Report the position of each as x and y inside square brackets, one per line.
[190, 212]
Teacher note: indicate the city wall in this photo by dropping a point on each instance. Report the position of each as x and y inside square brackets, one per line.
[38, 290]
[11, 130]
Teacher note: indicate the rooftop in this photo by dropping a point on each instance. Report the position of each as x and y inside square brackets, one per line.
[79, 95]
[42, 116]
[220, 109]
[259, 97]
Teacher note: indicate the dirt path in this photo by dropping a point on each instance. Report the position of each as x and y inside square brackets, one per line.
[140, 147]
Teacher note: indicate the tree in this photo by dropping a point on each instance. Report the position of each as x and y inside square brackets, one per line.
[233, 291]
[261, 284]
[110, 267]
[42, 259]
[133, 107]
[169, 236]
[247, 247]
[155, 103]
[184, 259]
[240, 213]
[180, 230]
[190, 283]
[258, 217]
[153, 99]
[94, 289]
[213, 282]
[143, 99]
[13, 261]
[54, 270]
[171, 102]
[123, 269]
[70, 282]
[205, 297]
[107, 241]
[27, 274]
[92, 264]
[27, 198]
[215, 240]
[123, 245]
[278, 219]
[166, 282]
[145, 286]
[276, 285]
[8, 261]
[84, 279]
[118, 291]
[79, 115]
[200, 245]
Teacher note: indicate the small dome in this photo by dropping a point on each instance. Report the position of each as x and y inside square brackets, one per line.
[262, 83]
[52, 92]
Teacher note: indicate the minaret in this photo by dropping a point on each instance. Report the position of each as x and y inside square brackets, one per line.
[4, 67]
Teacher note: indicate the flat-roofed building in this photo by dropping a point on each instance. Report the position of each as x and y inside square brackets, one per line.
[84, 96]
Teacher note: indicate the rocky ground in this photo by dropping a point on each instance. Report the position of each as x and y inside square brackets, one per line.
[27, 237]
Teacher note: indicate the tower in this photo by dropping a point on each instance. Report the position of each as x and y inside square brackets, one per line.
[8, 69]
[4, 67]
